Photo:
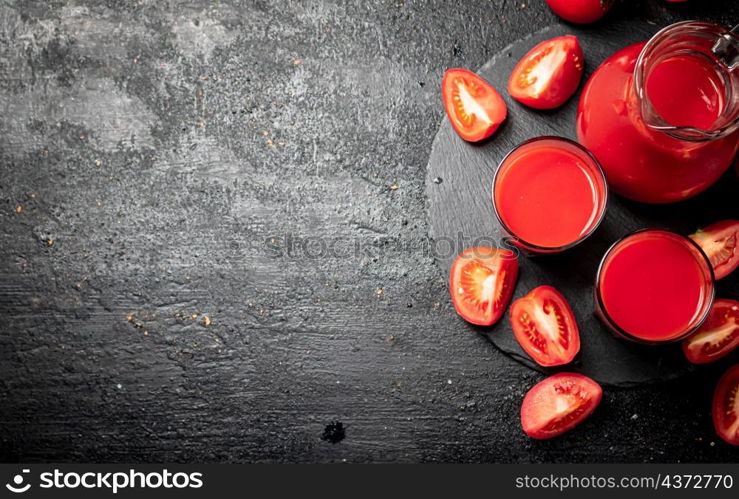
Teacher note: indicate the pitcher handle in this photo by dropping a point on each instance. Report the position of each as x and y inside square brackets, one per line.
[726, 49]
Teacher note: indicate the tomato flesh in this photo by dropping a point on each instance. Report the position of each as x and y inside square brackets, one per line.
[548, 74]
[481, 283]
[545, 327]
[558, 404]
[719, 242]
[580, 11]
[475, 109]
[717, 337]
[726, 406]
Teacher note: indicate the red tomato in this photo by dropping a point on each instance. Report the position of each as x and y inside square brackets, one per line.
[558, 404]
[718, 242]
[580, 11]
[545, 326]
[548, 74]
[482, 282]
[475, 109]
[726, 406]
[717, 337]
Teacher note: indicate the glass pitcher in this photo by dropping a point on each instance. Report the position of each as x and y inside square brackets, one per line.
[662, 116]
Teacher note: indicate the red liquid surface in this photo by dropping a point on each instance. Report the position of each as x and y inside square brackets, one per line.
[653, 287]
[686, 91]
[549, 193]
[640, 163]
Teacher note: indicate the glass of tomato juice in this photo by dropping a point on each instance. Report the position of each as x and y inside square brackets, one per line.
[549, 194]
[654, 286]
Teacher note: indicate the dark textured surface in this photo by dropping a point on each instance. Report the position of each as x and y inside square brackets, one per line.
[151, 151]
[461, 205]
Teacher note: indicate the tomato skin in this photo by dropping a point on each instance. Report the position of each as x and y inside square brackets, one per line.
[542, 407]
[469, 124]
[719, 242]
[580, 11]
[717, 337]
[499, 270]
[562, 80]
[545, 309]
[725, 409]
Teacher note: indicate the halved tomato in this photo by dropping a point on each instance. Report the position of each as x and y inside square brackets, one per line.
[717, 337]
[482, 282]
[545, 326]
[548, 74]
[558, 404]
[718, 242]
[726, 406]
[580, 11]
[475, 108]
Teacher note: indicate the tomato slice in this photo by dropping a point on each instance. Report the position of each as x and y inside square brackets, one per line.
[717, 337]
[726, 406]
[545, 326]
[482, 282]
[475, 108]
[718, 242]
[558, 404]
[580, 11]
[548, 74]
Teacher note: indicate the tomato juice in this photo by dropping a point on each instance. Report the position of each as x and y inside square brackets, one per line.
[654, 286]
[660, 117]
[686, 91]
[549, 193]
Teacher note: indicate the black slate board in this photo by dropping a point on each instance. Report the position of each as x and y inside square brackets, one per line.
[459, 177]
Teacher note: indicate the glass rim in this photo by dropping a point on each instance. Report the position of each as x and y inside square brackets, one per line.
[657, 123]
[695, 324]
[595, 224]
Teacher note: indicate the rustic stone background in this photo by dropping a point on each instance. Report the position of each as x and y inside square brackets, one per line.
[163, 168]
